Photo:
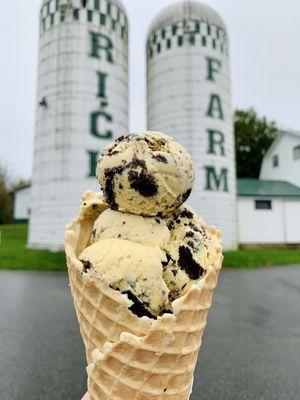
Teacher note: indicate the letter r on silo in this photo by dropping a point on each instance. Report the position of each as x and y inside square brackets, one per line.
[101, 43]
[213, 67]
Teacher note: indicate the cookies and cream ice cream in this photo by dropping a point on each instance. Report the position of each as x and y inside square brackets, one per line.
[145, 174]
[127, 254]
[142, 266]
[151, 258]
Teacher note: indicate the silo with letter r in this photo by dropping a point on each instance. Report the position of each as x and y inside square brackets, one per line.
[82, 105]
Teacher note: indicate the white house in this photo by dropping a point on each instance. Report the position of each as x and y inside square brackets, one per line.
[268, 212]
[268, 209]
[22, 204]
[282, 160]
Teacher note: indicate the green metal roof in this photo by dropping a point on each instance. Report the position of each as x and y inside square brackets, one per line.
[266, 188]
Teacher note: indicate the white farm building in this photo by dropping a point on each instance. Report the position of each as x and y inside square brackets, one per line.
[22, 205]
[282, 160]
[268, 212]
[268, 209]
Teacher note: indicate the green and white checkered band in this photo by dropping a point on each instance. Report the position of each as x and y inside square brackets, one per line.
[97, 12]
[187, 33]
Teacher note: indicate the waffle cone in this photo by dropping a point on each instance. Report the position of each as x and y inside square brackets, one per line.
[130, 357]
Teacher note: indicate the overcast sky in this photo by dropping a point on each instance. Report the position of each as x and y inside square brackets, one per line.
[265, 65]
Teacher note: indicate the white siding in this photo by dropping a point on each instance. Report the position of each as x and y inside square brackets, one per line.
[260, 226]
[288, 168]
[279, 225]
[292, 220]
[22, 204]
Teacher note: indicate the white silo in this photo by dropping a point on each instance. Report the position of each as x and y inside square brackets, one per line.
[189, 98]
[82, 104]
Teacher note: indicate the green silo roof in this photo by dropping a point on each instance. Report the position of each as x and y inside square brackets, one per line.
[257, 187]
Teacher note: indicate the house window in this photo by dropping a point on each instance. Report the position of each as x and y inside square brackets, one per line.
[263, 204]
[275, 160]
[296, 152]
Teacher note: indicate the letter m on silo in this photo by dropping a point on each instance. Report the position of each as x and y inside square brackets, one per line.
[101, 44]
[216, 181]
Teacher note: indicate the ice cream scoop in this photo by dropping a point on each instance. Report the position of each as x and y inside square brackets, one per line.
[133, 269]
[145, 174]
[190, 250]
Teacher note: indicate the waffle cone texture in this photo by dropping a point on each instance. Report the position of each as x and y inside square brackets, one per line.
[132, 358]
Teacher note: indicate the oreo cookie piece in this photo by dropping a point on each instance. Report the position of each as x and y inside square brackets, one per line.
[187, 263]
[143, 183]
[109, 187]
[160, 158]
[137, 307]
[86, 266]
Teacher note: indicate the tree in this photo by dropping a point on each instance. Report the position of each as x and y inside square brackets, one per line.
[253, 136]
[6, 199]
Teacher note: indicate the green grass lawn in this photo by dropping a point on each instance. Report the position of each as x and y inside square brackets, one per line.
[254, 258]
[15, 255]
